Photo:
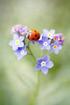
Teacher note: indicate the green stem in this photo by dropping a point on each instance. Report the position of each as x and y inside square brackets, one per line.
[36, 92]
[29, 49]
[31, 53]
[36, 89]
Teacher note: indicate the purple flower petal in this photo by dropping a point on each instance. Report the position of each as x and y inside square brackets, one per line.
[44, 70]
[20, 30]
[38, 67]
[46, 58]
[50, 64]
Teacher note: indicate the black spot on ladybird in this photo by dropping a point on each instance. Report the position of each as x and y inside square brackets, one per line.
[35, 35]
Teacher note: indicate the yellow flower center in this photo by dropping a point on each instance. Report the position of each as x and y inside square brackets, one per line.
[55, 46]
[17, 42]
[49, 34]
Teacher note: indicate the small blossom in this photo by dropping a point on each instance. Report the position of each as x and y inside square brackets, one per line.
[56, 43]
[59, 37]
[44, 64]
[44, 43]
[19, 30]
[48, 34]
[55, 47]
[17, 42]
[21, 52]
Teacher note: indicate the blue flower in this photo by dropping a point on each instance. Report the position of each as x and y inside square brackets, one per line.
[44, 43]
[21, 52]
[44, 64]
[56, 44]
[55, 47]
[48, 34]
[19, 30]
[17, 42]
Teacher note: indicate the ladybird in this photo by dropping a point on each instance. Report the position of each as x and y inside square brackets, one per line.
[34, 35]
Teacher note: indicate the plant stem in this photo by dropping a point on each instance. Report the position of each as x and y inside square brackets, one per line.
[36, 92]
[29, 49]
[36, 89]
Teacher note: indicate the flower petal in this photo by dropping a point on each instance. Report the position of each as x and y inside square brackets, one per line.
[50, 64]
[46, 58]
[21, 38]
[38, 67]
[44, 70]
[21, 44]
[15, 37]
[11, 42]
[52, 31]
[45, 31]
[14, 47]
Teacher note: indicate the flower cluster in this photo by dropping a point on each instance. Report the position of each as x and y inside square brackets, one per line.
[48, 40]
[19, 33]
[51, 41]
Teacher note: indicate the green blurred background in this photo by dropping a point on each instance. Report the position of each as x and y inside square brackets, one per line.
[19, 83]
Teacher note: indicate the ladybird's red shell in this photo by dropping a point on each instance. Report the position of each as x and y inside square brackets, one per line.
[34, 35]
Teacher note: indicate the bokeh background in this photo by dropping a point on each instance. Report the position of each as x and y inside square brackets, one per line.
[19, 83]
